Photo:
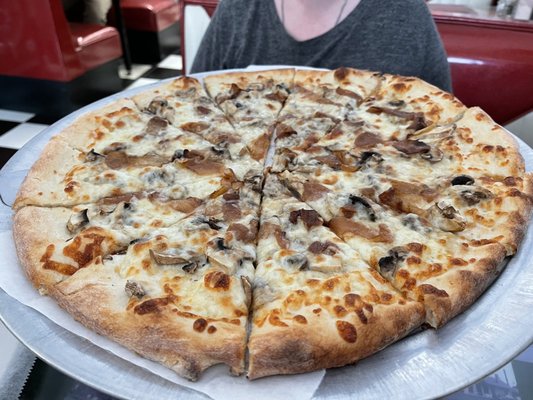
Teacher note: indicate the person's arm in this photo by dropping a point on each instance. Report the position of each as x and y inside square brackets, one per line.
[212, 50]
[436, 69]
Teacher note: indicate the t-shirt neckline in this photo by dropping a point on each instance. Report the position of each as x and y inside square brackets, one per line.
[278, 25]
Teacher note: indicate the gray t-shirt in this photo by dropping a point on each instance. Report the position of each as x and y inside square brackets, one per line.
[393, 36]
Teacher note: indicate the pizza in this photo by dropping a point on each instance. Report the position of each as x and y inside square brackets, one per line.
[278, 221]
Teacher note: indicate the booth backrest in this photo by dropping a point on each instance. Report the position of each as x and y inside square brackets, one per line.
[491, 63]
[36, 41]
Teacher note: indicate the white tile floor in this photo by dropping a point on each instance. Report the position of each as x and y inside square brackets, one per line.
[173, 61]
[14, 116]
[21, 134]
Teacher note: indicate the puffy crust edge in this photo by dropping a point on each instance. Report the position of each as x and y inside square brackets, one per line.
[29, 224]
[462, 286]
[46, 175]
[302, 348]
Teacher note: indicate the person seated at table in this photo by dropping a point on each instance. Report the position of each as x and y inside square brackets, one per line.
[391, 36]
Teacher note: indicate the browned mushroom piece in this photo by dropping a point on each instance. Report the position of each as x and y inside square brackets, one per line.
[409, 146]
[157, 105]
[297, 261]
[134, 288]
[77, 221]
[361, 204]
[167, 258]
[444, 216]
[473, 194]
[433, 155]
[220, 254]
[93, 156]
[389, 264]
[462, 180]
[247, 287]
[155, 125]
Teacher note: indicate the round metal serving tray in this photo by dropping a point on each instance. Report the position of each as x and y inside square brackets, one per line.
[428, 364]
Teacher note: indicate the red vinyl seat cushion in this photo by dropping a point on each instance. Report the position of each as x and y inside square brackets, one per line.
[95, 44]
[149, 15]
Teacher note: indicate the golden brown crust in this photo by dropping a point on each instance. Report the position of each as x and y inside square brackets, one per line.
[34, 229]
[162, 335]
[326, 341]
[451, 293]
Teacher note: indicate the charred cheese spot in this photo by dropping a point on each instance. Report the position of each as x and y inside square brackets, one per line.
[151, 306]
[217, 280]
[300, 319]
[275, 320]
[340, 311]
[199, 325]
[212, 329]
[432, 290]
[347, 331]
[62, 268]
[458, 262]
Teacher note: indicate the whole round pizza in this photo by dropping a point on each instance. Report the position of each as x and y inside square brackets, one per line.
[278, 222]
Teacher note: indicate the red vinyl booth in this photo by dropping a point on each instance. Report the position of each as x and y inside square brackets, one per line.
[52, 64]
[491, 63]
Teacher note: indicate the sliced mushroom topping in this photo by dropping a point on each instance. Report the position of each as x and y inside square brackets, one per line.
[363, 204]
[77, 220]
[409, 146]
[211, 222]
[155, 125]
[247, 287]
[419, 121]
[220, 254]
[473, 194]
[344, 92]
[232, 93]
[92, 156]
[157, 105]
[282, 131]
[167, 258]
[298, 261]
[192, 265]
[328, 248]
[185, 93]
[309, 217]
[462, 180]
[255, 180]
[433, 155]
[367, 139]
[133, 288]
[388, 265]
[444, 216]
[369, 159]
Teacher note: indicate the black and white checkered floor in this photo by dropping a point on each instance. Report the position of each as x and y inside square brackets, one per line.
[17, 128]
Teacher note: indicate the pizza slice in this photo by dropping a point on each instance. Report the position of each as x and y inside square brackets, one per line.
[187, 313]
[316, 304]
[186, 105]
[252, 101]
